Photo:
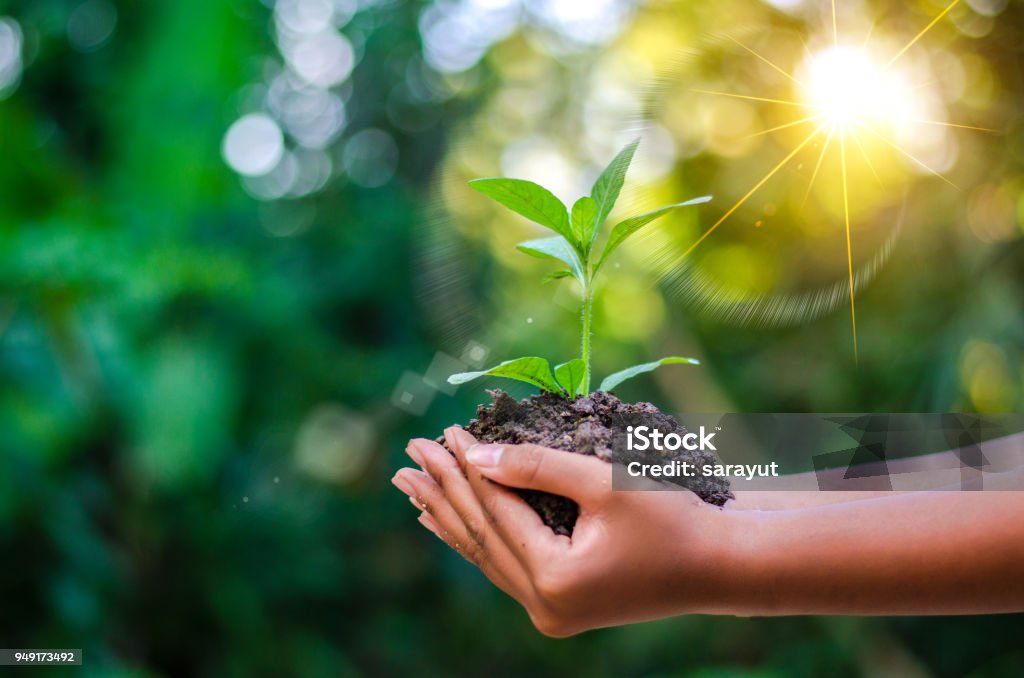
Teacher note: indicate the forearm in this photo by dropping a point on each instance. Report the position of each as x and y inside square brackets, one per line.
[927, 472]
[780, 500]
[915, 553]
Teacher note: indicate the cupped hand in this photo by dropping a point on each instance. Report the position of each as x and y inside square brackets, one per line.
[633, 556]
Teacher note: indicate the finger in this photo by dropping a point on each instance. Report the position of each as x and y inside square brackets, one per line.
[495, 576]
[425, 495]
[414, 454]
[428, 522]
[501, 568]
[445, 471]
[490, 546]
[459, 440]
[455, 487]
[576, 476]
[515, 521]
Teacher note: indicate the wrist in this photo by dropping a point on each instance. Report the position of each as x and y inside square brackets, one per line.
[737, 547]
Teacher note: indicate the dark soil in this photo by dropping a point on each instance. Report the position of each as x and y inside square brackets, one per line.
[594, 425]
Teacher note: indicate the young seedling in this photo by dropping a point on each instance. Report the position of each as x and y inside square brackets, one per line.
[573, 245]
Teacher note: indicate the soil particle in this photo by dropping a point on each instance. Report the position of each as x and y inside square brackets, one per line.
[593, 425]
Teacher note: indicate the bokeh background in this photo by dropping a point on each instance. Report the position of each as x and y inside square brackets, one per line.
[238, 258]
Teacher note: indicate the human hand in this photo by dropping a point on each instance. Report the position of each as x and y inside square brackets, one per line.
[633, 556]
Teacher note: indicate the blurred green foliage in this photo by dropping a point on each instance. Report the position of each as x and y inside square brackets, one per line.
[199, 372]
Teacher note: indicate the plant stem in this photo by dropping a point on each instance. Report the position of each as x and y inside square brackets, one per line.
[588, 303]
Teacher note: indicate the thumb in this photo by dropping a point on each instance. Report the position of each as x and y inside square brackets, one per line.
[534, 467]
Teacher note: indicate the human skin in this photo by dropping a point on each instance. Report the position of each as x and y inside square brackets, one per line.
[636, 556]
[942, 470]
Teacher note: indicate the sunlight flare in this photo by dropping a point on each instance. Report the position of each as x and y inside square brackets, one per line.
[852, 95]
[845, 84]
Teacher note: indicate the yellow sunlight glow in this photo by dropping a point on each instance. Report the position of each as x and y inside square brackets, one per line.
[846, 92]
[845, 85]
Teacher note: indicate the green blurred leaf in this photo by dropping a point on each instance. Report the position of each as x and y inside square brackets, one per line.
[606, 189]
[622, 230]
[570, 375]
[182, 410]
[613, 380]
[554, 248]
[531, 200]
[532, 370]
[584, 222]
[558, 275]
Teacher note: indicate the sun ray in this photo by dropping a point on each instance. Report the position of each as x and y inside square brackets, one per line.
[849, 95]
[923, 31]
[835, 25]
[871, 31]
[907, 154]
[867, 159]
[801, 121]
[768, 61]
[953, 124]
[786, 102]
[808, 54]
[751, 192]
[817, 167]
[849, 245]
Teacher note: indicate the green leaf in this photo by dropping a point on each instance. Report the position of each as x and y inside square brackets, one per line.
[558, 275]
[570, 375]
[606, 189]
[613, 380]
[584, 224]
[554, 248]
[532, 370]
[531, 200]
[628, 227]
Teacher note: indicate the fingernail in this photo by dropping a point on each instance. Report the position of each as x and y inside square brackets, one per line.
[404, 485]
[428, 522]
[412, 449]
[458, 436]
[484, 456]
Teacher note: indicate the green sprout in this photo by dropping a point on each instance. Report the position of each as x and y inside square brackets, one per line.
[577, 232]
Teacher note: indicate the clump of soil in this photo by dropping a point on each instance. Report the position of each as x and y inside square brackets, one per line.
[594, 425]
